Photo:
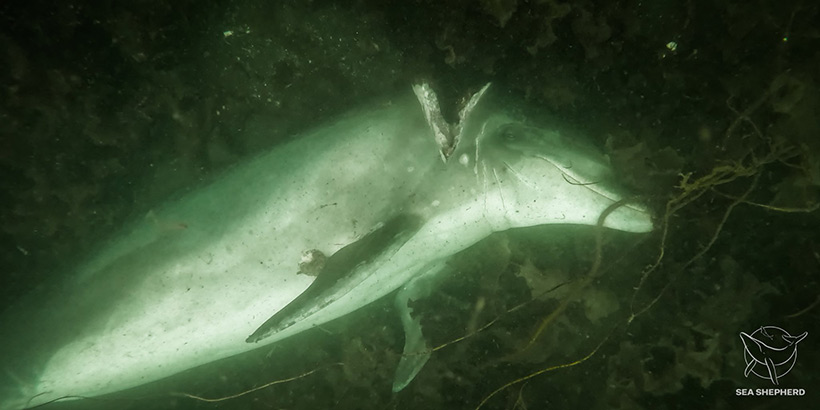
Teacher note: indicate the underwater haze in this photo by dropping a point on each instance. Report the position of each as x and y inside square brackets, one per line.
[626, 219]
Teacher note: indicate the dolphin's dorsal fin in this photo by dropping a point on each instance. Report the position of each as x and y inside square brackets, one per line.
[342, 265]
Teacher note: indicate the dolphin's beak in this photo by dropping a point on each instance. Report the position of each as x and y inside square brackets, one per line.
[751, 343]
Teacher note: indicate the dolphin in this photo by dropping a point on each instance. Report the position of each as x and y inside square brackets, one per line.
[369, 203]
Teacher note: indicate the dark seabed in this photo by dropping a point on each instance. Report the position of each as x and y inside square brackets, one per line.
[709, 111]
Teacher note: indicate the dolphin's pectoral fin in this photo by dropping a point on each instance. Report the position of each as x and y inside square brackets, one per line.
[416, 351]
[341, 272]
[749, 367]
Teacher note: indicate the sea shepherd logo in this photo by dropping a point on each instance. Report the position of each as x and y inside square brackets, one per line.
[770, 352]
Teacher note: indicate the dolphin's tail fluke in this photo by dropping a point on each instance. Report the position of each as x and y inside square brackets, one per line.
[793, 340]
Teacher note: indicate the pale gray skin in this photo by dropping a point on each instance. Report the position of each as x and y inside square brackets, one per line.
[156, 301]
[346, 262]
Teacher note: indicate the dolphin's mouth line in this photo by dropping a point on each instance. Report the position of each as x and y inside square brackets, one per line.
[572, 179]
[566, 178]
[487, 168]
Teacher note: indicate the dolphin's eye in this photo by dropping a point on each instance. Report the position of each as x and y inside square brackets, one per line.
[508, 135]
[513, 136]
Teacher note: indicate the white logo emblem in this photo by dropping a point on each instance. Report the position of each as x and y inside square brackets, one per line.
[770, 352]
